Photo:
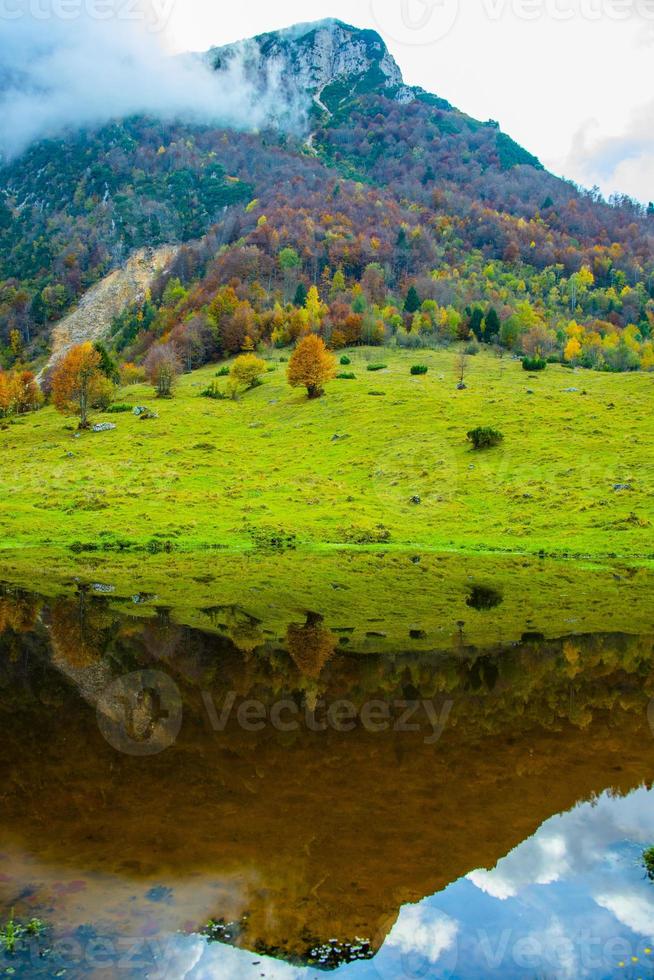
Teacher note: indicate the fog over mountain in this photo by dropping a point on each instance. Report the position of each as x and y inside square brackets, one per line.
[56, 74]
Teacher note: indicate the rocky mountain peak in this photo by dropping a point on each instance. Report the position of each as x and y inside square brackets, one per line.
[328, 61]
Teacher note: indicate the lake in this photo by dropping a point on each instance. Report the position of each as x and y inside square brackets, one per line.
[224, 792]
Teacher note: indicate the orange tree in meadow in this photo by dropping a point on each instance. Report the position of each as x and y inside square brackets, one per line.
[76, 380]
[311, 365]
[19, 393]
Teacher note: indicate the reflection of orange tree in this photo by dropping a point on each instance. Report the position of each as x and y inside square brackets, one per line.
[18, 612]
[311, 645]
[78, 631]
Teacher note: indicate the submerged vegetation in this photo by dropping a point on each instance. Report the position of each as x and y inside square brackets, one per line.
[648, 861]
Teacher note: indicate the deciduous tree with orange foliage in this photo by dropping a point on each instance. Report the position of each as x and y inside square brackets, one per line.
[311, 365]
[19, 393]
[8, 393]
[76, 380]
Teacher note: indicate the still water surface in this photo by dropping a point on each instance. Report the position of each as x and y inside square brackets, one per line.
[185, 803]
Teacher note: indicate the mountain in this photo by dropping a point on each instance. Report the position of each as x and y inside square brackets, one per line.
[328, 61]
[361, 186]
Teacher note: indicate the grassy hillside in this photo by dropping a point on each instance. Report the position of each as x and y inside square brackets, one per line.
[343, 470]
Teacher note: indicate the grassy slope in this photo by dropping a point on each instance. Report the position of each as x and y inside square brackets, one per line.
[205, 469]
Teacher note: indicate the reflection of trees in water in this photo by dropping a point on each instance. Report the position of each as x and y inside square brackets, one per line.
[534, 682]
[19, 611]
[311, 646]
[161, 639]
[80, 629]
[244, 630]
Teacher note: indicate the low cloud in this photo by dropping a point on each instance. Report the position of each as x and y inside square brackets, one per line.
[82, 71]
[617, 162]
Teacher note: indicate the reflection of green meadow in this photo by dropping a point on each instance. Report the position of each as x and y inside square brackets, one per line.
[372, 602]
[381, 459]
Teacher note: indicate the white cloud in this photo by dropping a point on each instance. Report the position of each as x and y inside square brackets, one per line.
[57, 73]
[424, 931]
[569, 844]
[632, 908]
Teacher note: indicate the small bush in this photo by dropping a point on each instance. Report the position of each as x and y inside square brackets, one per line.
[360, 535]
[472, 348]
[119, 409]
[215, 392]
[223, 372]
[419, 369]
[483, 597]
[484, 437]
[345, 360]
[346, 376]
[534, 364]
[377, 367]
[272, 538]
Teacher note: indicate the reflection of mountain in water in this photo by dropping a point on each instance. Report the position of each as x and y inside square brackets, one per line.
[290, 839]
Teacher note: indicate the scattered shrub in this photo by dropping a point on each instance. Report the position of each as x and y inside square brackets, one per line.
[214, 391]
[346, 376]
[345, 360]
[534, 364]
[484, 437]
[119, 409]
[483, 597]
[472, 348]
[271, 538]
[360, 535]
[223, 372]
[377, 367]
[418, 369]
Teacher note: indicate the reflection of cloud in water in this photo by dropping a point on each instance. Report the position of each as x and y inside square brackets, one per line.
[424, 932]
[573, 843]
[193, 959]
[635, 911]
[541, 863]
[506, 922]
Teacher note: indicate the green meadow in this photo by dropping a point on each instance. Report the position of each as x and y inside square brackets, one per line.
[382, 459]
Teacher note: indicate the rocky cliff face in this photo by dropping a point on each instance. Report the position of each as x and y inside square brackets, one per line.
[91, 320]
[328, 62]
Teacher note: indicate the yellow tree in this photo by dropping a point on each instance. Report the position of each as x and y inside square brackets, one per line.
[572, 349]
[316, 309]
[76, 380]
[311, 365]
[247, 371]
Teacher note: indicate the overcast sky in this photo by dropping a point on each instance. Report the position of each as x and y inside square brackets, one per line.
[571, 80]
